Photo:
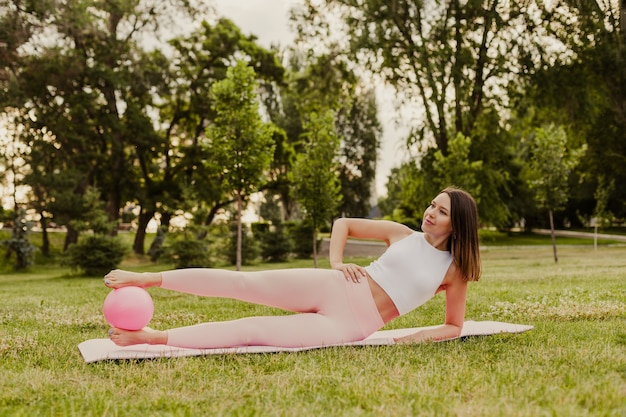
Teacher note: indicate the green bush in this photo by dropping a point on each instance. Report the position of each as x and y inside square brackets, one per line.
[19, 244]
[188, 253]
[250, 248]
[301, 234]
[95, 255]
[275, 244]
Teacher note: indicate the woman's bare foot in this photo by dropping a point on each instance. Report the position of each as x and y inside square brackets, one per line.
[119, 278]
[135, 337]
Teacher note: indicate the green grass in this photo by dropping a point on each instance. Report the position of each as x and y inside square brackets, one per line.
[572, 364]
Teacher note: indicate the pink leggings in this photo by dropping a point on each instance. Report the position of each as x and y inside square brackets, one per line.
[331, 310]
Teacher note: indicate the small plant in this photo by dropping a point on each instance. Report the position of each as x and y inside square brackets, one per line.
[95, 255]
[19, 244]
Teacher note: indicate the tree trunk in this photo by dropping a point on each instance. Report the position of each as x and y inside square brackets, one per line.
[157, 243]
[144, 218]
[556, 258]
[239, 233]
[314, 247]
[622, 20]
[70, 237]
[45, 239]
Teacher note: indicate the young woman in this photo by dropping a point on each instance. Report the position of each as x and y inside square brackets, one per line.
[343, 304]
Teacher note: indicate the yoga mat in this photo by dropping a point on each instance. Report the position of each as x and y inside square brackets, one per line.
[104, 349]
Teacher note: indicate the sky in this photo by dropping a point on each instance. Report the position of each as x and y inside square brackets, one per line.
[268, 20]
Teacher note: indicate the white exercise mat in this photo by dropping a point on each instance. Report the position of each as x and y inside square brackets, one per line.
[103, 349]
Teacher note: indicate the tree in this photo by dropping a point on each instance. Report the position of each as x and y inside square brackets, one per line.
[451, 62]
[457, 169]
[452, 58]
[548, 171]
[601, 214]
[76, 68]
[120, 114]
[315, 179]
[360, 131]
[180, 173]
[315, 84]
[183, 175]
[406, 197]
[585, 90]
[238, 139]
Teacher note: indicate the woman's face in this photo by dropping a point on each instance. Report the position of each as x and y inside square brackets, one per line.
[437, 220]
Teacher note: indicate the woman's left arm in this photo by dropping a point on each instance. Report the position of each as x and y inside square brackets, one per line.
[456, 293]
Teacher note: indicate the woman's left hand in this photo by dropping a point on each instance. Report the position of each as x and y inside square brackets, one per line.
[352, 272]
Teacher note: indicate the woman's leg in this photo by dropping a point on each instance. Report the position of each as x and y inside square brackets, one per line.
[294, 330]
[336, 311]
[301, 290]
[289, 289]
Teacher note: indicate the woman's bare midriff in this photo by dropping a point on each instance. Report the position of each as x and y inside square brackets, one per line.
[385, 306]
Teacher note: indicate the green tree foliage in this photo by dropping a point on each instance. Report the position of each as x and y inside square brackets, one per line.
[77, 70]
[452, 61]
[549, 169]
[406, 196]
[317, 83]
[360, 133]
[586, 90]
[314, 176]
[178, 174]
[456, 168]
[238, 139]
[104, 108]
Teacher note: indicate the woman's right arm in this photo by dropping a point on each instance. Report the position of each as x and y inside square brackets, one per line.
[384, 230]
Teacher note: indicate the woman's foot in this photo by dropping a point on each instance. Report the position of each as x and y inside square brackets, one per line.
[119, 278]
[136, 337]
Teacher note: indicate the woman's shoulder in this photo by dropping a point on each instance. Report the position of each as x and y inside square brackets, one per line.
[399, 231]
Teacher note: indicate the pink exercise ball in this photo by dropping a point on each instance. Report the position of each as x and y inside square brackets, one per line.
[128, 308]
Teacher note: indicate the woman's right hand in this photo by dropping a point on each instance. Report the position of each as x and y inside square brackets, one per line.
[352, 272]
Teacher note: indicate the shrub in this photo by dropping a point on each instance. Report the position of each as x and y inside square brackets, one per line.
[250, 248]
[95, 255]
[19, 243]
[275, 244]
[301, 234]
[188, 253]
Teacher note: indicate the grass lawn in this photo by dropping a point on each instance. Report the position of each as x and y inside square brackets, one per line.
[572, 364]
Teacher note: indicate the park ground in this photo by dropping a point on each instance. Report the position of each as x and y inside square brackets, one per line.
[573, 363]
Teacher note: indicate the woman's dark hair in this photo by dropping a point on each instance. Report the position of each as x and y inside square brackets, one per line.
[463, 244]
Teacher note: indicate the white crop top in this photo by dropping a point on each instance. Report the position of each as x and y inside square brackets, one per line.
[410, 271]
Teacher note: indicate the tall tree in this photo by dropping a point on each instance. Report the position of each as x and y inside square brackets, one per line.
[548, 171]
[451, 57]
[586, 90]
[238, 138]
[360, 132]
[449, 61]
[326, 81]
[78, 75]
[315, 178]
[121, 117]
[175, 169]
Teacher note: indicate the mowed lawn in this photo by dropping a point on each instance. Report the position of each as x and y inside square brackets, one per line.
[572, 364]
